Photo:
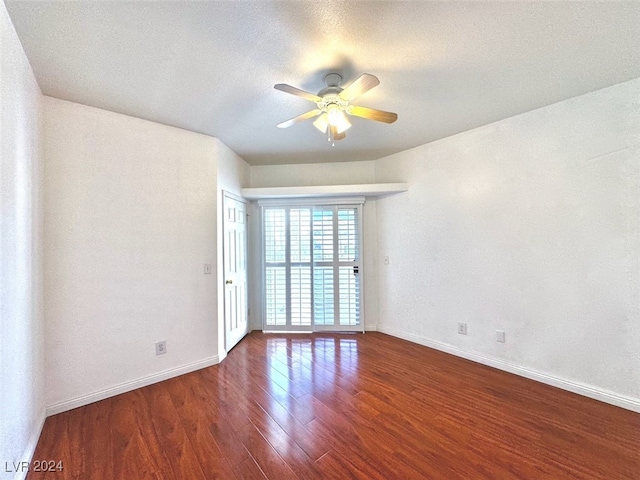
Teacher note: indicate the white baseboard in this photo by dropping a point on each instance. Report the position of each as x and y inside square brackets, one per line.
[622, 401]
[221, 356]
[128, 386]
[367, 328]
[27, 455]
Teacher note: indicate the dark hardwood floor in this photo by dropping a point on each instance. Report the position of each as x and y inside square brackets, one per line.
[343, 406]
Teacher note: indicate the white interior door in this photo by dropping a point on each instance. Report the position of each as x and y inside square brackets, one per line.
[235, 270]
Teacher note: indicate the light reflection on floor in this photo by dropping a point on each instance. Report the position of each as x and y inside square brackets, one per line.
[301, 370]
[313, 360]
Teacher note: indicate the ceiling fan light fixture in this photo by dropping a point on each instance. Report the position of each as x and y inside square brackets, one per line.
[338, 119]
[344, 124]
[322, 123]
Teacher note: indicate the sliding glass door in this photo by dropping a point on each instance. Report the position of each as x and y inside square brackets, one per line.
[312, 267]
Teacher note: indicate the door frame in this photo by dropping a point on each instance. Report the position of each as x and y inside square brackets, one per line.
[358, 201]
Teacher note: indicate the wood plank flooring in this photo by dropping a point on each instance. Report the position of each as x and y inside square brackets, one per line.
[323, 406]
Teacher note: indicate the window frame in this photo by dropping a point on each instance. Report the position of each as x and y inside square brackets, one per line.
[349, 202]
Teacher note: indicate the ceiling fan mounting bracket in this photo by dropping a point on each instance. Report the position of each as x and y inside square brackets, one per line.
[332, 82]
[332, 79]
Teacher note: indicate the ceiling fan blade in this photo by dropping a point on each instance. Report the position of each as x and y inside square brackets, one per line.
[300, 118]
[372, 114]
[335, 135]
[283, 87]
[360, 85]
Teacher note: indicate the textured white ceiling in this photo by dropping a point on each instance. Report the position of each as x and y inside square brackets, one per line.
[210, 67]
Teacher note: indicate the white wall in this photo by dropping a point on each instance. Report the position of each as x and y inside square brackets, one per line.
[340, 173]
[233, 173]
[130, 220]
[529, 225]
[22, 406]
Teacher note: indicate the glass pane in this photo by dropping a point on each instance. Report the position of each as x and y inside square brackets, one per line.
[301, 295]
[323, 234]
[348, 242]
[274, 235]
[323, 296]
[276, 296]
[300, 234]
[349, 297]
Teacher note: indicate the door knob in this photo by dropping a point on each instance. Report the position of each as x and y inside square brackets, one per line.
[229, 282]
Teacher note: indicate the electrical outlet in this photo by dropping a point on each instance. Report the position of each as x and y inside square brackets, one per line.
[161, 347]
[500, 336]
[207, 269]
[462, 328]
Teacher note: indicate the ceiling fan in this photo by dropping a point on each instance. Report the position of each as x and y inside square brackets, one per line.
[333, 103]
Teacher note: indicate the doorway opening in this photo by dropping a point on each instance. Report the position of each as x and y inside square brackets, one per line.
[312, 267]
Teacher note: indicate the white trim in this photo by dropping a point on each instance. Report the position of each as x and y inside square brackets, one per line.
[368, 190]
[235, 197]
[618, 400]
[27, 455]
[337, 329]
[221, 356]
[311, 202]
[363, 316]
[286, 331]
[367, 328]
[128, 386]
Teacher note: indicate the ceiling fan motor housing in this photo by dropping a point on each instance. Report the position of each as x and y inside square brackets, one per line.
[331, 99]
[330, 94]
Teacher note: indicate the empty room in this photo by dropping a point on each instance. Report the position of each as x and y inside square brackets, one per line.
[277, 239]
